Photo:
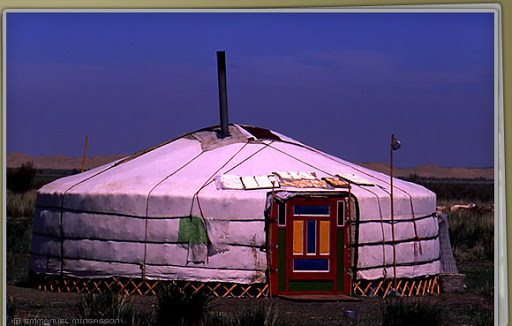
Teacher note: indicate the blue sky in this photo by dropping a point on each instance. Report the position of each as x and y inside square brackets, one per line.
[340, 82]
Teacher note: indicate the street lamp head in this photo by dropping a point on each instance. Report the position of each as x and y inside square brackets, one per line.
[396, 144]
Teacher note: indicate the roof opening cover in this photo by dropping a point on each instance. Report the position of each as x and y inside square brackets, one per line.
[261, 133]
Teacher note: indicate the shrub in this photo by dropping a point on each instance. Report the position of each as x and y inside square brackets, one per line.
[21, 179]
[400, 312]
[21, 204]
[182, 307]
[20, 212]
[215, 318]
[472, 234]
[19, 235]
[251, 315]
[259, 315]
[110, 306]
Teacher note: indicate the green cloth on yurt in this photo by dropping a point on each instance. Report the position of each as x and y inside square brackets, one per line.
[192, 230]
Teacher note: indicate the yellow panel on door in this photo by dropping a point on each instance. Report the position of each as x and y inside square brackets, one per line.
[324, 237]
[298, 237]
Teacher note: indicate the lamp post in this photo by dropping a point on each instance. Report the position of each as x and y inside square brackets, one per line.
[85, 152]
[395, 145]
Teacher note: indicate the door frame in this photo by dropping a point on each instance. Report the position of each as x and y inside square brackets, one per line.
[281, 244]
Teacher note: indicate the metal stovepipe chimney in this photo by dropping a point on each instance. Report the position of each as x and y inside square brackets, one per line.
[223, 96]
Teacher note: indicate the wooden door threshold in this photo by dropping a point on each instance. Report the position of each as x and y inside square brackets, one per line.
[320, 297]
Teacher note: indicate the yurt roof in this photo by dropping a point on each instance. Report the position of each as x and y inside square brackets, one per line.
[203, 162]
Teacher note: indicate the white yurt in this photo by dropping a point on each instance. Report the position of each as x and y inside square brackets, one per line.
[251, 207]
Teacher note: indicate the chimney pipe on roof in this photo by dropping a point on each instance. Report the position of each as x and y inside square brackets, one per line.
[223, 96]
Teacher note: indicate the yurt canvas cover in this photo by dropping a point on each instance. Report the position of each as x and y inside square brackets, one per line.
[197, 207]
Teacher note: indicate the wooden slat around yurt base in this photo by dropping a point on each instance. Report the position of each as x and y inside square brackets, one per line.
[404, 287]
[380, 288]
[128, 286]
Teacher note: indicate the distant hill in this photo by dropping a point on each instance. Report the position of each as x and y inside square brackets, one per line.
[61, 162]
[434, 171]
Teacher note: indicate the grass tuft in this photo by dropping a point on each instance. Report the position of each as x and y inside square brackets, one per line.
[472, 235]
[254, 314]
[20, 212]
[480, 281]
[215, 318]
[481, 316]
[21, 179]
[182, 307]
[21, 204]
[259, 315]
[109, 307]
[12, 309]
[401, 312]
